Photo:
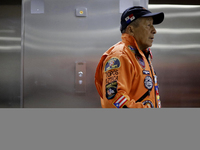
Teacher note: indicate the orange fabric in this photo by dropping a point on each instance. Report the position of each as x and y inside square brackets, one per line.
[124, 75]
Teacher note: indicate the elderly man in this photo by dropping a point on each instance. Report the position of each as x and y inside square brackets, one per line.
[125, 77]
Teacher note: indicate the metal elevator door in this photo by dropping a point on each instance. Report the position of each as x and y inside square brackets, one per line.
[62, 42]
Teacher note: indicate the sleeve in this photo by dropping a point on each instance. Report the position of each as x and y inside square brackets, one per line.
[118, 75]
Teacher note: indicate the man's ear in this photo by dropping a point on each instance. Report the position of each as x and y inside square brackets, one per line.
[130, 30]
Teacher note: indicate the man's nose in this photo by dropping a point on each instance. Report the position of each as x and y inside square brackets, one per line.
[154, 30]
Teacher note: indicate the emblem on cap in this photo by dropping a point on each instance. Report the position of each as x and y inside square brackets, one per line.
[129, 18]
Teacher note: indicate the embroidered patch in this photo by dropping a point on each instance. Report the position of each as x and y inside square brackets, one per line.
[150, 53]
[146, 72]
[113, 63]
[111, 90]
[129, 18]
[141, 61]
[148, 103]
[155, 79]
[111, 79]
[119, 103]
[111, 75]
[159, 104]
[158, 97]
[132, 49]
[156, 89]
[148, 82]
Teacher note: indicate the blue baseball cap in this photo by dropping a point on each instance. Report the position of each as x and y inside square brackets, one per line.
[133, 13]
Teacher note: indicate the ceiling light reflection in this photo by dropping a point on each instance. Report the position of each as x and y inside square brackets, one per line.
[172, 6]
[17, 47]
[182, 14]
[7, 31]
[10, 39]
[178, 31]
[175, 47]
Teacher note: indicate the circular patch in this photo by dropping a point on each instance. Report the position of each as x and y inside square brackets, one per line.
[113, 63]
[148, 103]
[148, 82]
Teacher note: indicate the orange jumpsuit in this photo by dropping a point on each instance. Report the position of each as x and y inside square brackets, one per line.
[125, 77]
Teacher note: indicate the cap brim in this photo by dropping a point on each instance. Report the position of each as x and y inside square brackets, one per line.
[157, 17]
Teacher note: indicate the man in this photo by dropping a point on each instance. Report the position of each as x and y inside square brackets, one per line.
[125, 77]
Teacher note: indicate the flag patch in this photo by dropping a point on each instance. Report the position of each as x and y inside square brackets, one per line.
[130, 18]
[119, 103]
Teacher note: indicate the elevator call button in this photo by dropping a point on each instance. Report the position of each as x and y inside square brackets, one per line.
[81, 12]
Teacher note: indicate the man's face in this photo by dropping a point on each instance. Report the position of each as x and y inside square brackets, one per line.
[144, 33]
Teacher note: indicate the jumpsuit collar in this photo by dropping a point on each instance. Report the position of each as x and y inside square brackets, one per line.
[130, 41]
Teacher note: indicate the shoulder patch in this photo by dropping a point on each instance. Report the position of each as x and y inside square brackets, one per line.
[111, 90]
[113, 63]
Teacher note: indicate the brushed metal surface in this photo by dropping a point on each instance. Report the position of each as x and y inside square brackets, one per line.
[176, 51]
[55, 40]
[10, 57]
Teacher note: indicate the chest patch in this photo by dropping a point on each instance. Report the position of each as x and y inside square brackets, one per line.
[148, 82]
[149, 103]
[146, 72]
[140, 61]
